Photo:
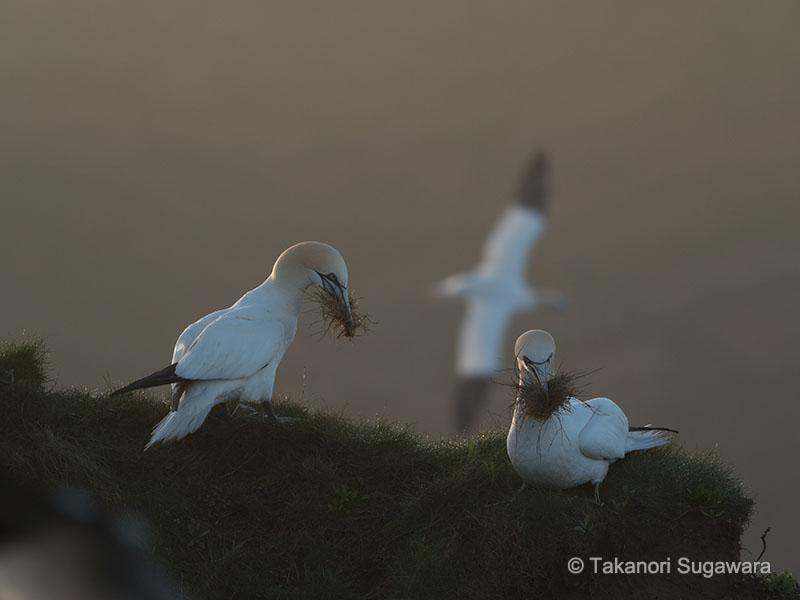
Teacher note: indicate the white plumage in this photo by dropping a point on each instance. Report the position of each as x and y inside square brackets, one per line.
[496, 291]
[235, 352]
[578, 443]
[576, 446]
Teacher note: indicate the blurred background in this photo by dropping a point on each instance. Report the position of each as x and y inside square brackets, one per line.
[157, 156]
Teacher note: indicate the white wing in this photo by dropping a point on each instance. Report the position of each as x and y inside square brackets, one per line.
[233, 346]
[604, 435]
[480, 341]
[505, 253]
[190, 334]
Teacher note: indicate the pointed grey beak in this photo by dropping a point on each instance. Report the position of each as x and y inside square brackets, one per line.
[346, 301]
[340, 292]
[539, 370]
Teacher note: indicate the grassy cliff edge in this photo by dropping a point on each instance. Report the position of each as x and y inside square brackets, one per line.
[328, 508]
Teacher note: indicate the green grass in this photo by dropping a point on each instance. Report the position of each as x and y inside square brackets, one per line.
[328, 508]
[23, 363]
[781, 585]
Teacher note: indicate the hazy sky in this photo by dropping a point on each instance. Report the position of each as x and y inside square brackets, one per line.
[157, 156]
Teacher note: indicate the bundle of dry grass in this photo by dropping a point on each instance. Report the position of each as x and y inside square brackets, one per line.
[541, 401]
[335, 316]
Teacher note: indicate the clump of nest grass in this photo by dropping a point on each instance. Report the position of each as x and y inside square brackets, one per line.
[541, 400]
[335, 316]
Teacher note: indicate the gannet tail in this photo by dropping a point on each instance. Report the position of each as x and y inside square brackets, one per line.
[645, 438]
[179, 423]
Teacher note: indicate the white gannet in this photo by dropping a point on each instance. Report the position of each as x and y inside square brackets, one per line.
[235, 352]
[496, 290]
[579, 440]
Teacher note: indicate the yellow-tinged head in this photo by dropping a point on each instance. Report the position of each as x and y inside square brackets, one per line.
[314, 260]
[315, 263]
[534, 352]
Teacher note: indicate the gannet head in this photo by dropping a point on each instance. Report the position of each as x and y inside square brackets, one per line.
[455, 286]
[534, 351]
[315, 263]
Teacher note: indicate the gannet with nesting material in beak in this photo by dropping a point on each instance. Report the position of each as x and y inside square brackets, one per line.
[578, 441]
[496, 291]
[235, 352]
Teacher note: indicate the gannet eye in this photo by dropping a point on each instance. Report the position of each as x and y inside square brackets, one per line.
[333, 278]
[532, 363]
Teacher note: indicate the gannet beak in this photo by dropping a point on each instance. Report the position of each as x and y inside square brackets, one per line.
[528, 365]
[340, 293]
[346, 303]
[540, 370]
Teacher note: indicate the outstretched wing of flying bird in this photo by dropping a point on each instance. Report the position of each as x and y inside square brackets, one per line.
[505, 254]
[480, 340]
[497, 289]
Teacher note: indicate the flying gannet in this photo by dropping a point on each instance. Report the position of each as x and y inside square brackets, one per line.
[496, 290]
[235, 352]
[578, 441]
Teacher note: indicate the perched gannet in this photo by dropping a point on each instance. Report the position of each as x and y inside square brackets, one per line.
[496, 290]
[573, 442]
[234, 352]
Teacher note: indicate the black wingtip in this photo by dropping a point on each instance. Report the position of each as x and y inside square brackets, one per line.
[471, 395]
[124, 390]
[653, 429]
[532, 191]
[161, 377]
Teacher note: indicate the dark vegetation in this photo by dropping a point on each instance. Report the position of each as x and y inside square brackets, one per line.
[328, 508]
[540, 401]
[338, 320]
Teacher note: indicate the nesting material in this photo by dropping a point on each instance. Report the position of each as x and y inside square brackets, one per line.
[335, 316]
[540, 401]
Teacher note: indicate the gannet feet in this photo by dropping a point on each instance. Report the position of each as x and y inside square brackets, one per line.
[519, 491]
[597, 494]
[243, 410]
[589, 501]
[270, 414]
